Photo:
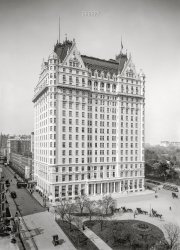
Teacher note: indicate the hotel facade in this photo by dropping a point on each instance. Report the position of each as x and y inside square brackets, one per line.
[88, 125]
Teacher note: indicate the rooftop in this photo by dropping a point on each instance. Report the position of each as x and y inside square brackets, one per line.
[113, 66]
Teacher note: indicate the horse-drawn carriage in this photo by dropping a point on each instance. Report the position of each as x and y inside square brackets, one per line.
[155, 214]
[126, 210]
[140, 211]
[174, 195]
[56, 241]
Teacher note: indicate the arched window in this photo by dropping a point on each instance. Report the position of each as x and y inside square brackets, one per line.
[114, 87]
[108, 87]
[132, 89]
[95, 85]
[122, 88]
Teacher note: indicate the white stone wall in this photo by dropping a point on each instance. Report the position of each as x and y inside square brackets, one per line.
[88, 136]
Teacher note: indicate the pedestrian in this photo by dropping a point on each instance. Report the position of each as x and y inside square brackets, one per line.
[134, 215]
[48, 209]
[83, 227]
[170, 208]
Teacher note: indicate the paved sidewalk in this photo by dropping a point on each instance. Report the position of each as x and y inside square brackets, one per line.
[43, 226]
[25, 234]
[37, 196]
[96, 239]
[5, 244]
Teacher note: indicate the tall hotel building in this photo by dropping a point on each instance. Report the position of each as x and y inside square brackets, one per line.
[88, 125]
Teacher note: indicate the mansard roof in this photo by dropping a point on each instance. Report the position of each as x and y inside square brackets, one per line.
[107, 66]
[61, 49]
[111, 66]
[100, 65]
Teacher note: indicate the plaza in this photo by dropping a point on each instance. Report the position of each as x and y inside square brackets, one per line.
[146, 201]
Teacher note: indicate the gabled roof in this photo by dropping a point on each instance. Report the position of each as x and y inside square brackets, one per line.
[111, 66]
[61, 49]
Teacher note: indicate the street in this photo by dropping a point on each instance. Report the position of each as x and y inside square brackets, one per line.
[26, 203]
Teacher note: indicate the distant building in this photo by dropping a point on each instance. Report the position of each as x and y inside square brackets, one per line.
[3, 144]
[19, 155]
[21, 145]
[32, 151]
[170, 144]
[2, 197]
[88, 125]
[22, 165]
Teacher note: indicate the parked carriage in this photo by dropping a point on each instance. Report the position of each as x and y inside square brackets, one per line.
[126, 210]
[174, 195]
[155, 214]
[140, 211]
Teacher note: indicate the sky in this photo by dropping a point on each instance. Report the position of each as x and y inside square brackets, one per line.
[150, 31]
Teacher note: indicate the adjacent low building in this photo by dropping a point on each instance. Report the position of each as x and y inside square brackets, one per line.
[22, 165]
[19, 155]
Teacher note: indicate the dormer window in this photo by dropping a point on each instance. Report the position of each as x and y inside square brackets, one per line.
[114, 88]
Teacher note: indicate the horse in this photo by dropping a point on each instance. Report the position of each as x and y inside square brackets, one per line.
[129, 210]
[144, 212]
[159, 215]
[174, 195]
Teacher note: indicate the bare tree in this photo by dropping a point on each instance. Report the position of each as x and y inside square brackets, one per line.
[172, 232]
[100, 217]
[81, 202]
[70, 209]
[62, 208]
[106, 203]
[90, 205]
